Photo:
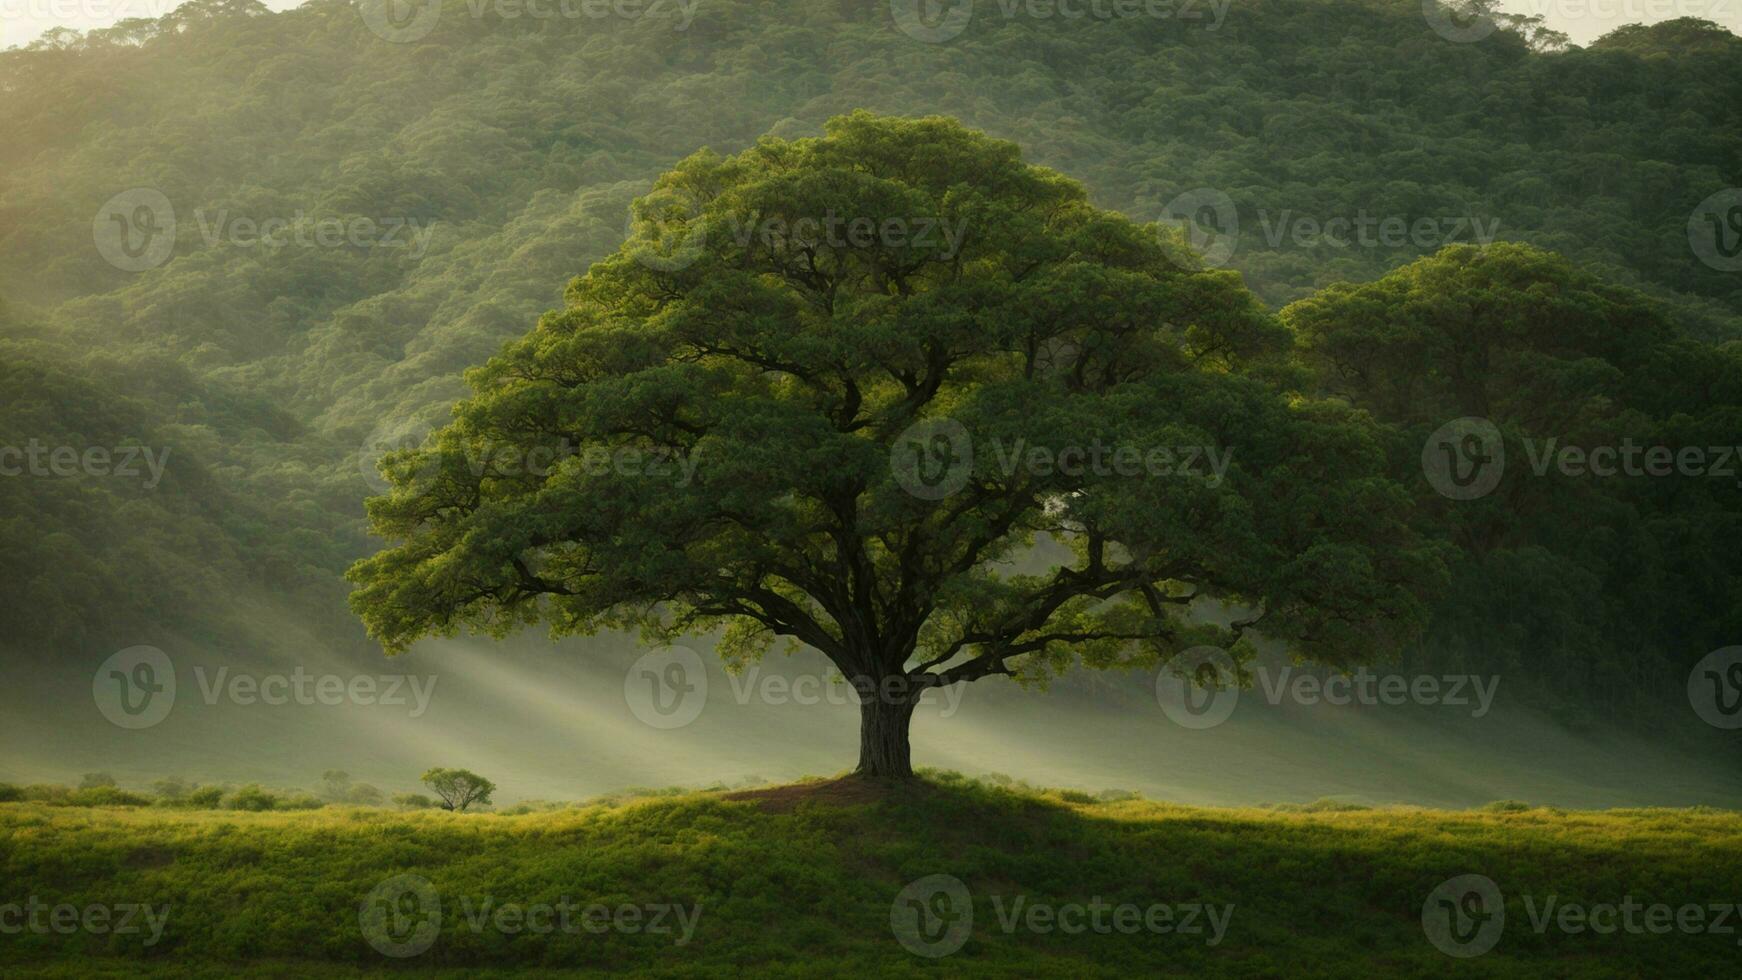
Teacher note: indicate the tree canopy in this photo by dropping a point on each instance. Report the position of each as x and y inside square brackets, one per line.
[795, 368]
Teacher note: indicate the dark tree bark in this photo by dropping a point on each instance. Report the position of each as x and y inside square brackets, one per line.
[884, 752]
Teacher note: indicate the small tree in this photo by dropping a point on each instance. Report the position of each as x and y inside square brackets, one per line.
[335, 785]
[172, 788]
[97, 780]
[413, 801]
[459, 788]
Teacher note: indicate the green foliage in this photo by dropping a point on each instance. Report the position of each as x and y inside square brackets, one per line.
[807, 877]
[97, 780]
[1595, 589]
[265, 371]
[413, 801]
[790, 368]
[106, 796]
[459, 788]
[206, 798]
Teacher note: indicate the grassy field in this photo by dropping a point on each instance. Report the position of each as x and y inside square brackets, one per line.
[818, 878]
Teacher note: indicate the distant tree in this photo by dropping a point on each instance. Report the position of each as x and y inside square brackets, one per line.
[364, 794]
[851, 396]
[335, 785]
[251, 797]
[172, 788]
[413, 801]
[94, 780]
[459, 788]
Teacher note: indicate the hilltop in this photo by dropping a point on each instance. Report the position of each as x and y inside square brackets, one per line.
[801, 880]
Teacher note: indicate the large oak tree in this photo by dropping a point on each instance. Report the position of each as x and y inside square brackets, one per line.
[883, 423]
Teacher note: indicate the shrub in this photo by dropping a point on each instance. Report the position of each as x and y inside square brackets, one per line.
[1505, 806]
[10, 793]
[205, 798]
[106, 796]
[251, 797]
[96, 780]
[172, 788]
[413, 801]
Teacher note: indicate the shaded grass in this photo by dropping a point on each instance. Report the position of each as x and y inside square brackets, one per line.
[799, 880]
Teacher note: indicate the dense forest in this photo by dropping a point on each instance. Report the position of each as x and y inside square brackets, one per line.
[503, 153]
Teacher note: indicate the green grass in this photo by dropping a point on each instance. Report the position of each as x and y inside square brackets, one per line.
[800, 881]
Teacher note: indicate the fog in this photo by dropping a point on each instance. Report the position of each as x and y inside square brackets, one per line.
[553, 721]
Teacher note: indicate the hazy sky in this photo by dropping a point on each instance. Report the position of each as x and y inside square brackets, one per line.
[1584, 20]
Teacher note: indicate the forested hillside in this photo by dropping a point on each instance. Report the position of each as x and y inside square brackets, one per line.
[493, 158]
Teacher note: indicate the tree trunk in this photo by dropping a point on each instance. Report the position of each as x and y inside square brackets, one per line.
[883, 747]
